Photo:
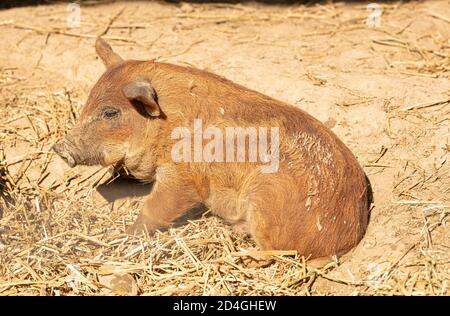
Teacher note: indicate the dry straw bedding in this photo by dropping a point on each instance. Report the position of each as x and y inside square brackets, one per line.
[56, 238]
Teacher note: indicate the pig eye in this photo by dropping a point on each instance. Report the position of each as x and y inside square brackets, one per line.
[110, 113]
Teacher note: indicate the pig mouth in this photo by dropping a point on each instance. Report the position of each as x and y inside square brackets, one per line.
[73, 156]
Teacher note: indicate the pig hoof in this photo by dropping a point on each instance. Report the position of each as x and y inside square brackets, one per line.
[138, 228]
[241, 229]
[135, 230]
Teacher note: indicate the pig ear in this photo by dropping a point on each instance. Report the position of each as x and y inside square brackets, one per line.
[106, 53]
[142, 91]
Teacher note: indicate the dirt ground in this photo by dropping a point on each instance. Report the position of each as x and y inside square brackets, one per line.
[385, 91]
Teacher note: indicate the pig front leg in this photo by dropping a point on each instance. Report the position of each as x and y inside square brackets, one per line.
[172, 195]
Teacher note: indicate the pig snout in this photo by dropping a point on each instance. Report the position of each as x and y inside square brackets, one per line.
[66, 152]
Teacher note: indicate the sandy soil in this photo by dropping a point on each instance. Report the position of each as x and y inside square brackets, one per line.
[384, 91]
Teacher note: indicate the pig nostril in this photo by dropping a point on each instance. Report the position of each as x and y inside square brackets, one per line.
[62, 151]
[56, 148]
[69, 160]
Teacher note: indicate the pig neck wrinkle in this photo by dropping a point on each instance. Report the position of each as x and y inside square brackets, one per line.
[140, 156]
[141, 165]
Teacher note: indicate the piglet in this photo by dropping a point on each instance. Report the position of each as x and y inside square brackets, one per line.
[266, 167]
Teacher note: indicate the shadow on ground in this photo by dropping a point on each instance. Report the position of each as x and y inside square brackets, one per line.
[122, 188]
[125, 188]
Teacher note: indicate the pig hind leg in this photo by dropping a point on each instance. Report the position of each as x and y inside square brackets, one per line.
[280, 219]
[274, 215]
